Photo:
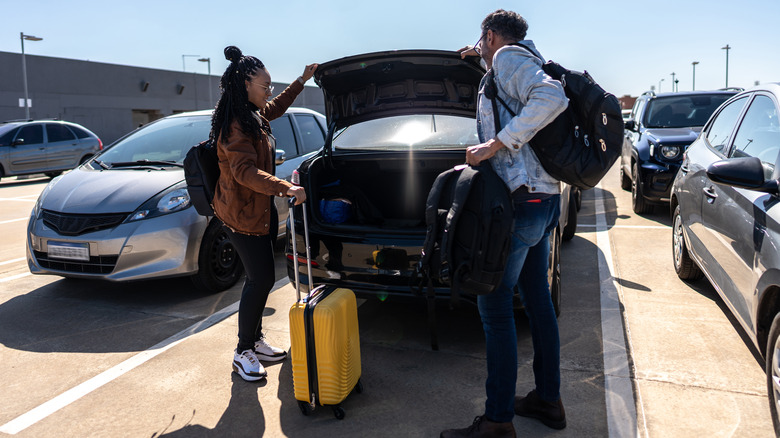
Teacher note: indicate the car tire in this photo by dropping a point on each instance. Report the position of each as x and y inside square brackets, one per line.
[84, 159]
[625, 180]
[684, 266]
[571, 221]
[772, 369]
[219, 266]
[578, 197]
[554, 272]
[638, 202]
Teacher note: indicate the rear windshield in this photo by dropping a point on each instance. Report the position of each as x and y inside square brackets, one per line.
[682, 111]
[416, 132]
[164, 140]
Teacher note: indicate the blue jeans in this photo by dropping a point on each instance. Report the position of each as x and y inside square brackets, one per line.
[527, 268]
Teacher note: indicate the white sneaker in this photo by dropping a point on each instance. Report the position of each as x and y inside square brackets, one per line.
[266, 352]
[247, 366]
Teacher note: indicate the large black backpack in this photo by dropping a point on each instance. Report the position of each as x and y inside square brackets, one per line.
[581, 144]
[201, 172]
[469, 217]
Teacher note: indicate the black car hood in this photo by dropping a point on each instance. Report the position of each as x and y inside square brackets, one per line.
[674, 135]
[399, 82]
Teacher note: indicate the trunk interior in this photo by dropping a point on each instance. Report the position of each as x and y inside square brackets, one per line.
[382, 193]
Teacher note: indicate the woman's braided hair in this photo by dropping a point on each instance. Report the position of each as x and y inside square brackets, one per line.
[234, 102]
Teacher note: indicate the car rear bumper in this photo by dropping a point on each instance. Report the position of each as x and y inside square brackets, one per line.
[165, 246]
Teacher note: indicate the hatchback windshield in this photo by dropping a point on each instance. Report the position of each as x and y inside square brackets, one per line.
[416, 132]
[164, 140]
[682, 111]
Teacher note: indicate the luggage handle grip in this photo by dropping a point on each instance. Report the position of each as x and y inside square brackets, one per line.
[295, 249]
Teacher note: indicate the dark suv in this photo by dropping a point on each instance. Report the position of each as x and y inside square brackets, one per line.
[44, 146]
[660, 128]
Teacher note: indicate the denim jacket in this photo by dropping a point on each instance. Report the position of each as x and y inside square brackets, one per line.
[537, 99]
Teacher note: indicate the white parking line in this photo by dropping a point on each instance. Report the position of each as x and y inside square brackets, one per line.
[618, 387]
[14, 220]
[628, 227]
[37, 414]
[12, 261]
[18, 199]
[14, 277]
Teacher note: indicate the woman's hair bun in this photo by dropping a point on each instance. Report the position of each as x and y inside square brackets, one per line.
[233, 53]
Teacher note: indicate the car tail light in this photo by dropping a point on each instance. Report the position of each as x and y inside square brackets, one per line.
[100, 144]
[295, 178]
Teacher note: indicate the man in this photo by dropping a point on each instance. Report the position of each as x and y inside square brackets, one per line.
[536, 99]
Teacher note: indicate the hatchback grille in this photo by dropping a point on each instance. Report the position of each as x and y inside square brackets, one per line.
[95, 265]
[75, 224]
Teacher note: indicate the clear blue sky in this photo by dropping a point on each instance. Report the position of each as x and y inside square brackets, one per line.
[627, 46]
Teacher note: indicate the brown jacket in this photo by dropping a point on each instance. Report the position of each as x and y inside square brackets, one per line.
[246, 183]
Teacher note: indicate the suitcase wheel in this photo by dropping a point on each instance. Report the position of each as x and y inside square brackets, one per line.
[359, 387]
[305, 408]
[338, 411]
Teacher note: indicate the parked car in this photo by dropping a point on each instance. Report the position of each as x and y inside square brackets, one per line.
[727, 219]
[656, 134]
[396, 121]
[44, 146]
[125, 214]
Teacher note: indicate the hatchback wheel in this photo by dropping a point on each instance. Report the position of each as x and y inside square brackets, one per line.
[625, 180]
[219, 266]
[686, 268]
[773, 371]
[638, 202]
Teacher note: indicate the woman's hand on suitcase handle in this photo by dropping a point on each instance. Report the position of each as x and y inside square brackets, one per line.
[298, 194]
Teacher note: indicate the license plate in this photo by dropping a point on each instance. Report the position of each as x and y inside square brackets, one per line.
[69, 251]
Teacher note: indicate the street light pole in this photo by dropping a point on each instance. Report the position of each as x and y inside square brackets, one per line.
[208, 61]
[673, 73]
[23, 37]
[659, 85]
[727, 48]
[694, 74]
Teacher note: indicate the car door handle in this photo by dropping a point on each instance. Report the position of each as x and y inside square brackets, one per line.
[710, 192]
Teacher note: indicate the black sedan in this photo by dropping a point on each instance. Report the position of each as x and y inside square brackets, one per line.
[396, 121]
[726, 214]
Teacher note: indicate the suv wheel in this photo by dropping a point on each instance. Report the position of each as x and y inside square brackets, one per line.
[684, 265]
[625, 180]
[773, 371]
[219, 266]
[638, 202]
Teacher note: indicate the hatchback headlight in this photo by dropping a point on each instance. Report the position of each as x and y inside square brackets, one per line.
[670, 152]
[171, 200]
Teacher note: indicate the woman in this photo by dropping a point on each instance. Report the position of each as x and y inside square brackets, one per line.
[244, 199]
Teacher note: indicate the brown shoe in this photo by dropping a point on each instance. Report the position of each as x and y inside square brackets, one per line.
[550, 414]
[482, 427]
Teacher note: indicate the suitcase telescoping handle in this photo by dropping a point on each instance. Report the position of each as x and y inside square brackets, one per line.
[295, 248]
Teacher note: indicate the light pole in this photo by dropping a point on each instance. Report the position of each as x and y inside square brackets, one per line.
[23, 37]
[208, 61]
[659, 85]
[673, 73]
[727, 48]
[186, 56]
[694, 74]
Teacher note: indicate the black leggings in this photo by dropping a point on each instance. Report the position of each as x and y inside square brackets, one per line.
[257, 255]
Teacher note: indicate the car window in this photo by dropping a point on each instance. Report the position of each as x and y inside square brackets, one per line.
[163, 140]
[80, 133]
[682, 111]
[7, 137]
[312, 136]
[719, 131]
[415, 132]
[759, 133]
[32, 134]
[636, 112]
[282, 131]
[57, 132]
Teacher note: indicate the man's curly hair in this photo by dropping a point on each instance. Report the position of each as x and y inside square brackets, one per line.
[507, 24]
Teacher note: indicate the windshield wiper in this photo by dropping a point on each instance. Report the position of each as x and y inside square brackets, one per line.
[102, 164]
[145, 163]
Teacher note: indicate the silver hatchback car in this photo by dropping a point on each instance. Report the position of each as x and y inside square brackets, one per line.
[126, 214]
[44, 146]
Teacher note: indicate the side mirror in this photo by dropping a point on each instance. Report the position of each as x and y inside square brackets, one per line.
[630, 124]
[743, 172]
[280, 156]
[17, 142]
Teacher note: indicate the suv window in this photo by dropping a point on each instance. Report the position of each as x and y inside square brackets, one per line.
[32, 134]
[56, 132]
[759, 133]
[283, 133]
[312, 136]
[682, 111]
[722, 126]
[409, 133]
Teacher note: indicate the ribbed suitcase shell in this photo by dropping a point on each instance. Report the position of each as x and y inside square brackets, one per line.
[336, 346]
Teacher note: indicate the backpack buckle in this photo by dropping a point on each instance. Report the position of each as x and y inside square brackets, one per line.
[603, 145]
[604, 118]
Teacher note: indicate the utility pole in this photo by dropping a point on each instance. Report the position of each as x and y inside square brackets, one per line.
[727, 48]
[673, 90]
[694, 74]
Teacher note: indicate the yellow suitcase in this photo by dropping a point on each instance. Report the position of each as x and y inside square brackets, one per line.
[324, 339]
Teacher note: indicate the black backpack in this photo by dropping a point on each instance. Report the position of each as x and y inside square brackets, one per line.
[584, 141]
[201, 172]
[469, 218]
